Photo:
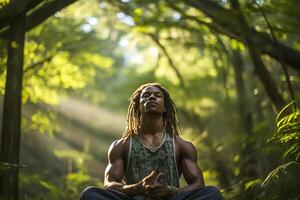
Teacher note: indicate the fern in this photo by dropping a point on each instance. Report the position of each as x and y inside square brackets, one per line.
[276, 172]
[288, 132]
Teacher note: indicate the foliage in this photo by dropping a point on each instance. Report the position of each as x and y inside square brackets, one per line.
[67, 186]
[282, 182]
[288, 131]
[100, 52]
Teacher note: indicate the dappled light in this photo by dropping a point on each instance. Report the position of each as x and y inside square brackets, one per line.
[68, 69]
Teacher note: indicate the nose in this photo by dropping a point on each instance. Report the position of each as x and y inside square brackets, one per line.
[152, 97]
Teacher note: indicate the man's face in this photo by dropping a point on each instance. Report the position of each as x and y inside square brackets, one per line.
[152, 100]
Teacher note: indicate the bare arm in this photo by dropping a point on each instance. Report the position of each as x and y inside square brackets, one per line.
[114, 172]
[190, 169]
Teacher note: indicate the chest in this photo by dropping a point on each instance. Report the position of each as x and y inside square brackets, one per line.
[173, 149]
[142, 161]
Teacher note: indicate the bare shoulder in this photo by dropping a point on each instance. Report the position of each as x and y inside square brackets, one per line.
[117, 149]
[185, 147]
[182, 143]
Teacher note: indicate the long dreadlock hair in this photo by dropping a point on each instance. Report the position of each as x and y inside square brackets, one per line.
[133, 115]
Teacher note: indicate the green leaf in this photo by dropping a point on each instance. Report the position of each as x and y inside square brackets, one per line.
[252, 183]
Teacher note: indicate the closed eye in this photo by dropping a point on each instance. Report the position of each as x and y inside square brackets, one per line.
[146, 94]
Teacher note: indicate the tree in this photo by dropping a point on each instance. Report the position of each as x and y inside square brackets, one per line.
[11, 130]
[14, 15]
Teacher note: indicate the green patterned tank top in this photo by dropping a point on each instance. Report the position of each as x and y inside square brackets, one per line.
[141, 161]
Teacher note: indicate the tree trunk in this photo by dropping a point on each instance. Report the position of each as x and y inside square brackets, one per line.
[260, 68]
[221, 72]
[248, 168]
[11, 127]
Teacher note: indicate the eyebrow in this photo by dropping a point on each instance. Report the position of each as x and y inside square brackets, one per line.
[156, 92]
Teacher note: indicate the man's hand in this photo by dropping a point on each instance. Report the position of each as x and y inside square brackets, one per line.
[158, 189]
[148, 180]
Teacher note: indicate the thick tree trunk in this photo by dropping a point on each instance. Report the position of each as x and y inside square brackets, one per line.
[11, 127]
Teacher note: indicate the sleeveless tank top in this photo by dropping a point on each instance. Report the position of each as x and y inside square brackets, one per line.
[141, 162]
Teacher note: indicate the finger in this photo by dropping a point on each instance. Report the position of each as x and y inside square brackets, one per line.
[151, 175]
[160, 176]
[148, 187]
[155, 186]
[156, 191]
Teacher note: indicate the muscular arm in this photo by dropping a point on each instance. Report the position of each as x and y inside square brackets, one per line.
[190, 169]
[115, 170]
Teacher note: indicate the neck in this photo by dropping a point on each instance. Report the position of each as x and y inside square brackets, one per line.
[152, 125]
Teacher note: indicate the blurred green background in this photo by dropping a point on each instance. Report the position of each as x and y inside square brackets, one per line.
[82, 64]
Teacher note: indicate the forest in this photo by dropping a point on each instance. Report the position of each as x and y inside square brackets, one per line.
[68, 68]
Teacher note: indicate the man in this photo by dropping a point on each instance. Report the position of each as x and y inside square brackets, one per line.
[147, 161]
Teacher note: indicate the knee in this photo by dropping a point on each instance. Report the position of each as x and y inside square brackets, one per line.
[211, 189]
[88, 193]
[213, 192]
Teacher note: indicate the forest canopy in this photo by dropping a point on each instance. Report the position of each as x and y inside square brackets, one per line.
[67, 69]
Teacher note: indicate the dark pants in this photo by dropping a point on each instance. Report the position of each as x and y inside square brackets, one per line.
[206, 193]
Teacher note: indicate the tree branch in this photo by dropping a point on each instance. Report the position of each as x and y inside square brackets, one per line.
[39, 63]
[259, 66]
[227, 21]
[289, 84]
[164, 50]
[8, 12]
[41, 14]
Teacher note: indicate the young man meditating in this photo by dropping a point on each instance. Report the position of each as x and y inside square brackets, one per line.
[147, 161]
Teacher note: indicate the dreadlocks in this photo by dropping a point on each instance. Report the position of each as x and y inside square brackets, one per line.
[133, 115]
